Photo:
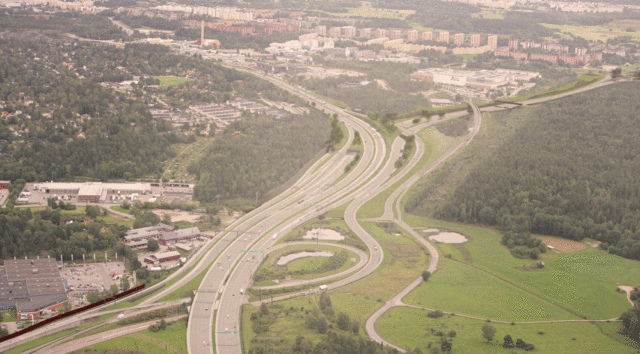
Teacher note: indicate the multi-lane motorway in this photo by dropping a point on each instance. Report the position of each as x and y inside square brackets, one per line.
[324, 186]
[320, 189]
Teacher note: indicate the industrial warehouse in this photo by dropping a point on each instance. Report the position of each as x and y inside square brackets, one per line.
[32, 286]
[98, 192]
[92, 191]
[479, 80]
[164, 233]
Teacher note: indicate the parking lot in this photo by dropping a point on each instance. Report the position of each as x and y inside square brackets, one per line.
[92, 276]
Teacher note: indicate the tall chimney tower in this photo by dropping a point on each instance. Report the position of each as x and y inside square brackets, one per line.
[202, 33]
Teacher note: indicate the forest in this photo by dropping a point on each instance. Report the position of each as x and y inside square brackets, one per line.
[119, 138]
[371, 98]
[257, 42]
[63, 122]
[48, 232]
[263, 154]
[569, 171]
[85, 26]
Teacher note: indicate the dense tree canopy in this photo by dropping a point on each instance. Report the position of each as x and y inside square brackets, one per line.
[571, 171]
[262, 155]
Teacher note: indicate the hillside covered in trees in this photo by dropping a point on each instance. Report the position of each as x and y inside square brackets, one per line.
[570, 170]
[263, 154]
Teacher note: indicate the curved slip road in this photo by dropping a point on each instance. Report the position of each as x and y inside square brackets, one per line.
[363, 260]
[397, 197]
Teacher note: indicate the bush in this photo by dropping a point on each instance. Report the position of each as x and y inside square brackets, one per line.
[435, 314]
[529, 347]
[426, 275]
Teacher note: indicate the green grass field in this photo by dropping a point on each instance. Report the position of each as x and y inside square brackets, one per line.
[403, 262]
[582, 81]
[171, 340]
[186, 289]
[460, 288]
[120, 209]
[411, 328]
[490, 14]
[610, 30]
[171, 80]
[372, 12]
[310, 265]
[582, 283]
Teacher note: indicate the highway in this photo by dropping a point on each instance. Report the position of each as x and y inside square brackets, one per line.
[311, 189]
[324, 186]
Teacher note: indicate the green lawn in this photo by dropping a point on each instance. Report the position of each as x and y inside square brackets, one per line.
[310, 264]
[172, 340]
[186, 289]
[462, 289]
[171, 80]
[582, 283]
[593, 33]
[583, 81]
[403, 262]
[411, 328]
[120, 209]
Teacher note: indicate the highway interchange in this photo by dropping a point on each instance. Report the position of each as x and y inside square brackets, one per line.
[324, 186]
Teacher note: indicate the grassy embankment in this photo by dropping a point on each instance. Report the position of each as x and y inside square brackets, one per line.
[171, 340]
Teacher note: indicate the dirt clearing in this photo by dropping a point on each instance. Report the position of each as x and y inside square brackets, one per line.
[563, 245]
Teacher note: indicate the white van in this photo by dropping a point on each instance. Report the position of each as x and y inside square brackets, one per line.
[274, 236]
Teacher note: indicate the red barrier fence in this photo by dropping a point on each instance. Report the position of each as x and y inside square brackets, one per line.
[71, 313]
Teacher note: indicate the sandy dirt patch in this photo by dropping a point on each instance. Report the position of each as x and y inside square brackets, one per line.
[430, 230]
[177, 215]
[292, 257]
[593, 244]
[563, 245]
[628, 290]
[323, 234]
[382, 84]
[448, 237]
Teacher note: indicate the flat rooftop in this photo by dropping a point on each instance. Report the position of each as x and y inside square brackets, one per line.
[31, 284]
